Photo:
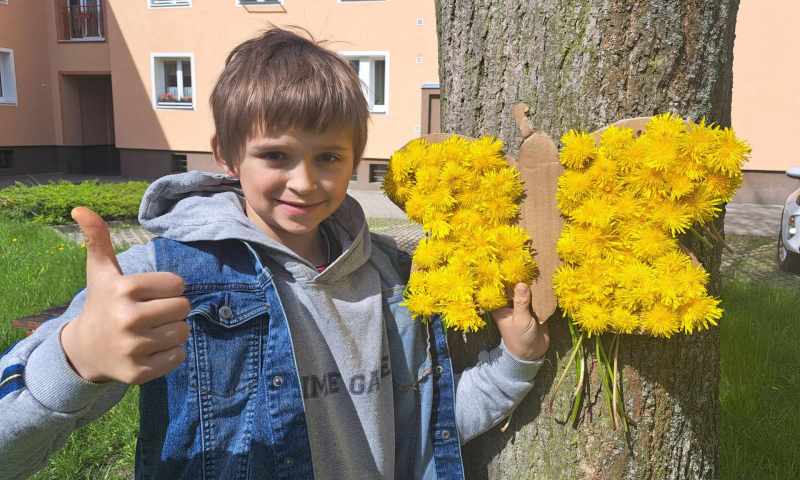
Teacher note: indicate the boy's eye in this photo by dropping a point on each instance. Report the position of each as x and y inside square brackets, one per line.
[275, 156]
[329, 157]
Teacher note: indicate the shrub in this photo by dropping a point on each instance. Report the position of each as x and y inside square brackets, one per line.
[51, 203]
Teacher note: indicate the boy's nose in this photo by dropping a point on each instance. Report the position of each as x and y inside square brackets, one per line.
[302, 178]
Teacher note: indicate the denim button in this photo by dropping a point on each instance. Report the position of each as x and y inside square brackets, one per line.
[445, 434]
[439, 370]
[225, 312]
[277, 381]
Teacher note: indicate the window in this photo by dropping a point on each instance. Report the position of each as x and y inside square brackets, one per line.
[178, 163]
[173, 75]
[8, 81]
[377, 171]
[169, 3]
[6, 158]
[80, 20]
[373, 70]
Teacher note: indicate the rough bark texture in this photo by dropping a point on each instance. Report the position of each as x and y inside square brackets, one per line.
[583, 64]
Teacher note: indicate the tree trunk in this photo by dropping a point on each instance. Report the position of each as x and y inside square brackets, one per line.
[584, 64]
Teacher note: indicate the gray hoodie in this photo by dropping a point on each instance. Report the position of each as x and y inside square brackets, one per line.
[335, 318]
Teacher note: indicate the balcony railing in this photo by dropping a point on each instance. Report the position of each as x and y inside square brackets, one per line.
[83, 22]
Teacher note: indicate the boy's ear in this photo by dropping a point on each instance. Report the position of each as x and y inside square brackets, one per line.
[221, 163]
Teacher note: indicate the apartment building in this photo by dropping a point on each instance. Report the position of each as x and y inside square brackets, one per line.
[122, 86]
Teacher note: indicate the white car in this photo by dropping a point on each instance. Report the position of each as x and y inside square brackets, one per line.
[789, 236]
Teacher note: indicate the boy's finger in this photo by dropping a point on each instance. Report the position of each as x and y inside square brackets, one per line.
[153, 285]
[100, 257]
[162, 311]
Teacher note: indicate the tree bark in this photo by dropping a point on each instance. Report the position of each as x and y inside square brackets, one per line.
[584, 64]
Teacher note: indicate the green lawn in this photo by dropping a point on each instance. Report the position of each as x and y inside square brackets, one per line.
[41, 270]
[760, 387]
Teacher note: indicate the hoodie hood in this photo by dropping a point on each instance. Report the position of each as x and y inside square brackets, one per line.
[203, 206]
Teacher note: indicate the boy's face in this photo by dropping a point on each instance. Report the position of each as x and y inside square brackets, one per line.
[294, 180]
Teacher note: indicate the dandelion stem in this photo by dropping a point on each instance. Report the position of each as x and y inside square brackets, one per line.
[575, 349]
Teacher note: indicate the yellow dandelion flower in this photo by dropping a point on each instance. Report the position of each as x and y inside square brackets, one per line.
[420, 303]
[723, 187]
[498, 211]
[491, 297]
[667, 127]
[730, 154]
[698, 313]
[603, 172]
[660, 321]
[441, 199]
[517, 268]
[659, 155]
[503, 182]
[486, 272]
[680, 184]
[703, 205]
[593, 318]
[463, 317]
[597, 212]
[623, 321]
[466, 220]
[509, 238]
[671, 263]
[700, 141]
[614, 140]
[568, 246]
[429, 254]
[578, 149]
[647, 182]
[648, 242]
[672, 216]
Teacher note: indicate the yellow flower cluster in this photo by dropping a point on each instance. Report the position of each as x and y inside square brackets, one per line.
[466, 197]
[625, 202]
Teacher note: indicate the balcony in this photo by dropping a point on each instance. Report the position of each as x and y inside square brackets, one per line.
[80, 21]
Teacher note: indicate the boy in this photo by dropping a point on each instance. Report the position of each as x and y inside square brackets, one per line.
[264, 323]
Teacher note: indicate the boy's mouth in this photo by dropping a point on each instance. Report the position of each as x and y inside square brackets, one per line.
[297, 207]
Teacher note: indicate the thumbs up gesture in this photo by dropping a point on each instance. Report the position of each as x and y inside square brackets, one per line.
[132, 328]
[524, 337]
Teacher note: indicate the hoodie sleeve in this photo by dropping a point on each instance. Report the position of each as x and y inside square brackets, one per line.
[488, 392]
[42, 399]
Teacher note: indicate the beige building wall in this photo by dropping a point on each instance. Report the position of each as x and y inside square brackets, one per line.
[28, 122]
[766, 99]
[209, 29]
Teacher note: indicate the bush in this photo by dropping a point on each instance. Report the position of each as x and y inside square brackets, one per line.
[51, 203]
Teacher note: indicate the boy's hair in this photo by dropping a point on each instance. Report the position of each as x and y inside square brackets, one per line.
[279, 81]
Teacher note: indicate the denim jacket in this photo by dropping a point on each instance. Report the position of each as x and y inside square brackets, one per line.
[234, 408]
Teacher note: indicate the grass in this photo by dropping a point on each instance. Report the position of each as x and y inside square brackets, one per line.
[759, 390]
[760, 385]
[41, 270]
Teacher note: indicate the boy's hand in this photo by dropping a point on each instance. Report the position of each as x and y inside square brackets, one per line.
[132, 328]
[523, 336]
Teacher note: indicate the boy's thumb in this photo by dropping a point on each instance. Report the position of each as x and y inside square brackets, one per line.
[100, 255]
[522, 297]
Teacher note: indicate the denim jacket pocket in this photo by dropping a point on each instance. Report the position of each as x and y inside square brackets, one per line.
[228, 328]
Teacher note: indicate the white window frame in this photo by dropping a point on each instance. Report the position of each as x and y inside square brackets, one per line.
[169, 4]
[9, 77]
[155, 93]
[366, 74]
